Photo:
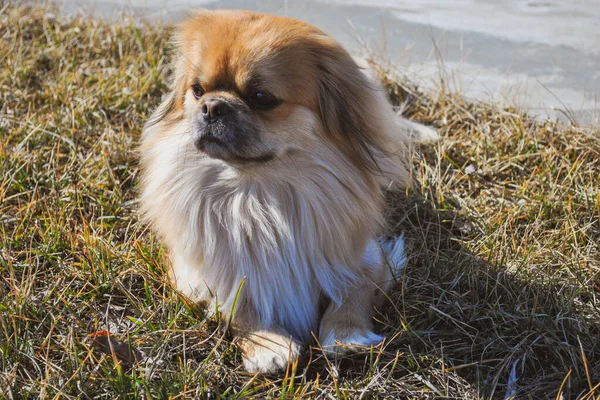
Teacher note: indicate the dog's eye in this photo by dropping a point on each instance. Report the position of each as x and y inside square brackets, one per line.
[197, 90]
[265, 100]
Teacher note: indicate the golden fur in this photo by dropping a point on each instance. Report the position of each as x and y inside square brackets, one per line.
[292, 204]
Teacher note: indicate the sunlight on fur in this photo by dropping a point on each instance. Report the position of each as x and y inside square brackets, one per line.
[268, 162]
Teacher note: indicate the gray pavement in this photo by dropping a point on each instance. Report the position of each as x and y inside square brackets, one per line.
[539, 55]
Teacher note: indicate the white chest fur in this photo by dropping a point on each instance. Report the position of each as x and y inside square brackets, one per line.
[291, 238]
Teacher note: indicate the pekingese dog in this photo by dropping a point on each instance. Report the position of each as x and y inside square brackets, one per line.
[264, 172]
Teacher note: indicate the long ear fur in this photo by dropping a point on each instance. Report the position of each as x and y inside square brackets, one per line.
[347, 105]
[160, 113]
[171, 108]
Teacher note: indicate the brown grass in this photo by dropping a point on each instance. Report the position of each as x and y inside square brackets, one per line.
[503, 230]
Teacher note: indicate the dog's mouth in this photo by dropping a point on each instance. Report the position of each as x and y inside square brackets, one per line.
[217, 148]
[206, 142]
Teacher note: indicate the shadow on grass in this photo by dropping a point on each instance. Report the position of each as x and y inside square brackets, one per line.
[459, 326]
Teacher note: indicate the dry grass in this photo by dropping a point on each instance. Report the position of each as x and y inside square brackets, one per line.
[503, 229]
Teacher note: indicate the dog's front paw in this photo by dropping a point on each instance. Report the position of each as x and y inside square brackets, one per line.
[349, 340]
[268, 352]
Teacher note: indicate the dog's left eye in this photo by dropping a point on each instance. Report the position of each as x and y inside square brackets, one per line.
[265, 100]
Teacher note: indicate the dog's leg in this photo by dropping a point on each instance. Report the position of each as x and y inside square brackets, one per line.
[348, 326]
[266, 351]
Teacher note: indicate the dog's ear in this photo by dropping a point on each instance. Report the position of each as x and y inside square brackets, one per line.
[349, 105]
[165, 108]
[187, 37]
[171, 107]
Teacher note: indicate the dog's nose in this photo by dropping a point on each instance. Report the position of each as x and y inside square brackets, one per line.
[213, 109]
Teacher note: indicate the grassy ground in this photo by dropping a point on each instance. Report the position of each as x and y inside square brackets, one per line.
[500, 296]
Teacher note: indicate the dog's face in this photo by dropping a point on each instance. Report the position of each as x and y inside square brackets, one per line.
[238, 88]
[255, 87]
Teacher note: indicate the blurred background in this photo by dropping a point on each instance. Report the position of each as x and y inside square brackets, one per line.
[543, 56]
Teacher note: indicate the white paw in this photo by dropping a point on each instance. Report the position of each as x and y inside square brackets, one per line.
[352, 341]
[270, 356]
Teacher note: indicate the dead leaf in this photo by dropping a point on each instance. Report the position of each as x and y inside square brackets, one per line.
[121, 351]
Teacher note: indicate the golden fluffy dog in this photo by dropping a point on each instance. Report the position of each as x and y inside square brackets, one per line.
[266, 166]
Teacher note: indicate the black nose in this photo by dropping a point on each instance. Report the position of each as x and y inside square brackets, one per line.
[213, 109]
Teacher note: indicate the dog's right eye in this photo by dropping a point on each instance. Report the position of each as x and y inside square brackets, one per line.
[197, 90]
